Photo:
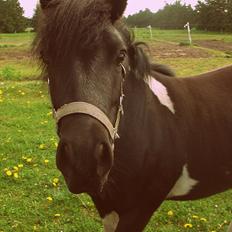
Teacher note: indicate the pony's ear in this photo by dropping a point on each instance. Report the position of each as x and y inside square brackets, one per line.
[118, 8]
[44, 3]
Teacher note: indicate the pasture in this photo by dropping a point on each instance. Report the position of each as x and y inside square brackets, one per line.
[33, 195]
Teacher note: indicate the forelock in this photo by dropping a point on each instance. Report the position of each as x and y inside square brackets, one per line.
[70, 27]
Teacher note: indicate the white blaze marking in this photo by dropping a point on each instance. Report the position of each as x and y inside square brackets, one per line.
[110, 222]
[183, 185]
[161, 93]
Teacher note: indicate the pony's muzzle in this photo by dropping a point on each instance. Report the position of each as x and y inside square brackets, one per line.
[85, 154]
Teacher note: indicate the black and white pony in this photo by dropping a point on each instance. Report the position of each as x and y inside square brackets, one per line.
[131, 134]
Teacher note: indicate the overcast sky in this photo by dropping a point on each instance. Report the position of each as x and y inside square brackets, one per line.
[133, 5]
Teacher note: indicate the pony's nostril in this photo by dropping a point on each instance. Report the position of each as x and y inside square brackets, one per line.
[63, 155]
[104, 156]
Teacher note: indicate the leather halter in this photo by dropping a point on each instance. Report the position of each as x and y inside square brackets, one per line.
[95, 112]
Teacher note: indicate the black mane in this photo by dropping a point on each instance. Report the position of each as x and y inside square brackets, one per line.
[140, 63]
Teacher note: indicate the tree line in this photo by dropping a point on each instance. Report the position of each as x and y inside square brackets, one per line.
[11, 17]
[211, 15]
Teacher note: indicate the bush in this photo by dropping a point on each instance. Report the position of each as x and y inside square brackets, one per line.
[184, 43]
[9, 73]
[228, 54]
[7, 45]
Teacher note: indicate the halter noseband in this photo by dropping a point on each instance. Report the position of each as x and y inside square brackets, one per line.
[95, 112]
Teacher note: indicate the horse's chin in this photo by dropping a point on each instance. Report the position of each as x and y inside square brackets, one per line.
[95, 188]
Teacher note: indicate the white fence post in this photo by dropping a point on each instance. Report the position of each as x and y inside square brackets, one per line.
[189, 32]
[151, 34]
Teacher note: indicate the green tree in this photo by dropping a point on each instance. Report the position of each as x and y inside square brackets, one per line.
[141, 19]
[11, 16]
[214, 15]
[172, 16]
[229, 16]
[35, 17]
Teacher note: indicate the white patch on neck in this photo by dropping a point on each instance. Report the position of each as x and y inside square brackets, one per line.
[161, 93]
[110, 222]
[184, 184]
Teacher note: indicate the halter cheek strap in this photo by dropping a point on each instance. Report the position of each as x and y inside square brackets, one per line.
[95, 112]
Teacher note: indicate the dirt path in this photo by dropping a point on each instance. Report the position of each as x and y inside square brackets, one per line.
[172, 50]
[11, 54]
[219, 45]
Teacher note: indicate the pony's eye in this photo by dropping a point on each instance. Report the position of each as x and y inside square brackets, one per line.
[121, 56]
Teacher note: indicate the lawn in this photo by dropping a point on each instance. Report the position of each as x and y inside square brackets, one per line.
[33, 194]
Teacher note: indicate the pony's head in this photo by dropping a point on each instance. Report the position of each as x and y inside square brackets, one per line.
[86, 53]
[85, 61]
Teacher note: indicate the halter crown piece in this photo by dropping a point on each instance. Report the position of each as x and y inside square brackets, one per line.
[95, 112]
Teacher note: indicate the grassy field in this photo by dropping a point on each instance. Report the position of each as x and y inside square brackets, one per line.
[33, 195]
[180, 35]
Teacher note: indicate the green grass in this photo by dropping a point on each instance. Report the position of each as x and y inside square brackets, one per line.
[17, 39]
[192, 66]
[15, 57]
[180, 35]
[24, 69]
[28, 137]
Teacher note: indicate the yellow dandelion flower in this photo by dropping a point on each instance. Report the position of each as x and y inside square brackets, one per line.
[56, 180]
[16, 175]
[41, 146]
[49, 114]
[5, 169]
[57, 215]
[56, 144]
[54, 184]
[24, 157]
[22, 93]
[188, 225]
[29, 160]
[170, 213]
[9, 173]
[49, 199]
[1, 92]
[203, 219]
[16, 168]
[195, 217]
[20, 165]
[46, 161]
